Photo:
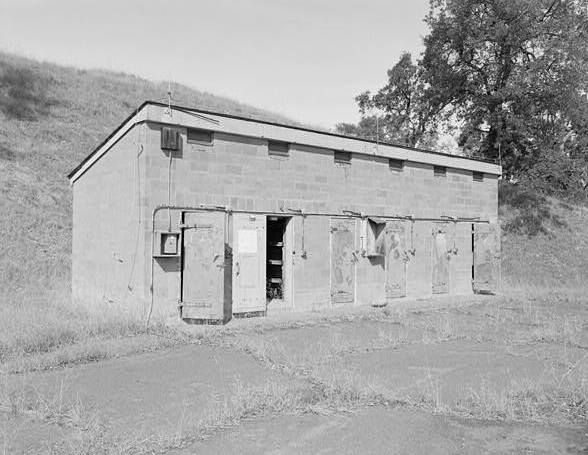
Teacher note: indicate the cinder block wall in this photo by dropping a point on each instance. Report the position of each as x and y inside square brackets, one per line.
[239, 173]
[108, 256]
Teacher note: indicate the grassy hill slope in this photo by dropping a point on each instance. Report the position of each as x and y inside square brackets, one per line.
[544, 242]
[50, 118]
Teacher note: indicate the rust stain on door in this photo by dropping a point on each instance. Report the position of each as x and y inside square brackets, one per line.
[486, 258]
[203, 263]
[343, 259]
[440, 259]
[395, 259]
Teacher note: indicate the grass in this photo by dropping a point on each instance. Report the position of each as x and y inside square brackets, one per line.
[52, 117]
[324, 385]
[67, 112]
[557, 401]
[517, 323]
[45, 330]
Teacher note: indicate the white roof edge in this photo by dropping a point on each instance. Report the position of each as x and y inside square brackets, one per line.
[106, 146]
[252, 128]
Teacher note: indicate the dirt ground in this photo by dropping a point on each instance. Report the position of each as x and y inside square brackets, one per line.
[481, 375]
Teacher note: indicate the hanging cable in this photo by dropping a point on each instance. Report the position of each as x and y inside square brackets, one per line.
[137, 203]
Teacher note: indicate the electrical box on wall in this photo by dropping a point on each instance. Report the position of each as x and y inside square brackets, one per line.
[376, 244]
[167, 244]
[170, 139]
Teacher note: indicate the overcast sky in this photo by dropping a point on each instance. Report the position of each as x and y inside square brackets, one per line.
[307, 59]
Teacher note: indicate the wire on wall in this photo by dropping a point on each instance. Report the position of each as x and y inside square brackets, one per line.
[138, 205]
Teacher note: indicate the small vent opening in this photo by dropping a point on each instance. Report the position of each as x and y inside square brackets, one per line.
[396, 165]
[342, 157]
[278, 148]
[439, 171]
[199, 136]
[478, 176]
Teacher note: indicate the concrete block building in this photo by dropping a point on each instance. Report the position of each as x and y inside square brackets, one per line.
[205, 216]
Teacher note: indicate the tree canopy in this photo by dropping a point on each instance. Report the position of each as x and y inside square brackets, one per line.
[508, 77]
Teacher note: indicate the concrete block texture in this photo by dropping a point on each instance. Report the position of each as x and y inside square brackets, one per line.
[114, 201]
[108, 245]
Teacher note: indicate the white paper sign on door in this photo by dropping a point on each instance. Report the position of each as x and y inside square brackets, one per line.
[247, 241]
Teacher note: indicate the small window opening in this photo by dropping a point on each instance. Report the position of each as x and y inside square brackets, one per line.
[395, 165]
[278, 148]
[199, 136]
[439, 171]
[478, 176]
[276, 228]
[342, 157]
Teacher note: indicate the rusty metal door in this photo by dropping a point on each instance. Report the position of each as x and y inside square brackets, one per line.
[395, 259]
[440, 259]
[203, 265]
[343, 259]
[249, 262]
[486, 258]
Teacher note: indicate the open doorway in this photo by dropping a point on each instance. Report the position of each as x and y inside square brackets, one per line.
[473, 253]
[277, 270]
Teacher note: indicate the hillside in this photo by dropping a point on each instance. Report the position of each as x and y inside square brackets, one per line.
[50, 118]
[544, 242]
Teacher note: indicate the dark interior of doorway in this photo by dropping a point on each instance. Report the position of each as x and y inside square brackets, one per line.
[276, 228]
[473, 252]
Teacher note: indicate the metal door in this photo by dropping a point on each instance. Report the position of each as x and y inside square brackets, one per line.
[343, 259]
[486, 258]
[249, 263]
[440, 260]
[395, 259]
[203, 265]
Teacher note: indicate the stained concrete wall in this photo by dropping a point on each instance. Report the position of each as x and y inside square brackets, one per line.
[239, 173]
[108, 256]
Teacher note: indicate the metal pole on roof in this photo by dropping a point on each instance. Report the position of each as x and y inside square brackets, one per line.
[500, 156]
[377, 133]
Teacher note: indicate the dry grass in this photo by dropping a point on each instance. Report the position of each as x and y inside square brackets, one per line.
[56, 407]
[324, 385]
[559, 400]
[45, 330]
[72, 112]
[552, 261]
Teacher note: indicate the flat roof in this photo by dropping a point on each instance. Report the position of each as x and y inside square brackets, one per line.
[154, 111]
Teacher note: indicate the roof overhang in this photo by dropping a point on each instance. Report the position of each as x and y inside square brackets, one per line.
[151, 111]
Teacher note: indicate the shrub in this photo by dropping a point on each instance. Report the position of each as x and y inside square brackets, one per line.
[525, 211]
[24, 94]
[558, 174]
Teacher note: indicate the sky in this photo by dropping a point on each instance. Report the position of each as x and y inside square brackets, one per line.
[306, 59]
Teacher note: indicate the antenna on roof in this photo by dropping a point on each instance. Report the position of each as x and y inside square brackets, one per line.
[377, 133]
[168, 110]
[374, 112]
